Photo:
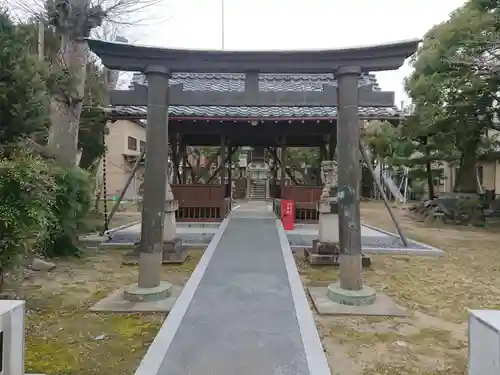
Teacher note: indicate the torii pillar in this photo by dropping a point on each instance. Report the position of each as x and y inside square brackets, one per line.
[149, 286]
[350, 290]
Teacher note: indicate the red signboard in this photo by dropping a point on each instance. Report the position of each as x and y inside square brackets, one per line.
[288, 214]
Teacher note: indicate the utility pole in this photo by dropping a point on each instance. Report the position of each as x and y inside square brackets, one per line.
[222, 25]
[41, 40]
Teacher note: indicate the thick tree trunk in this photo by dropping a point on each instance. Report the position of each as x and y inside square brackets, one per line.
[466, 181]
[66, 105]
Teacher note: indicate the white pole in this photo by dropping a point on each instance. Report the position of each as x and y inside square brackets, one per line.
[222, 24]
[406, 185]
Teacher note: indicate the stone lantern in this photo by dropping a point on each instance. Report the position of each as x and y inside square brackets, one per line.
[325, 249]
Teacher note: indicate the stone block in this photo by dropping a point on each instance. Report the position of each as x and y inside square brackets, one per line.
[330, 248]
[171, 205]
[328, 206]
[330, 259]
[173, 246]
[174, 251]
[328, 227]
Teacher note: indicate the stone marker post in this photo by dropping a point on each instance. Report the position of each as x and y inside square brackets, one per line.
[325, 249]
[173, 250]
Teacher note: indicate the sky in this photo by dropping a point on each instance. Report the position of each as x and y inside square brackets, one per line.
[293, 25]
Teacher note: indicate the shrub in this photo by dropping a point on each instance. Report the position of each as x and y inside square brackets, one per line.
[23, 95]
[73, 201]
[26, 200]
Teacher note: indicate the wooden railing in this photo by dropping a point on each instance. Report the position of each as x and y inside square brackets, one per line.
[201, 202]
[305, 199]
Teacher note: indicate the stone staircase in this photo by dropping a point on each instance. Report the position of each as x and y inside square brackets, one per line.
[258, 190]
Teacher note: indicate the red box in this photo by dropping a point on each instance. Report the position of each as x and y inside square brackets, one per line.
[288, 214]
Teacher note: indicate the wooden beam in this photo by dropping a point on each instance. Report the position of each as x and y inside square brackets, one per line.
[284, 167]
[226, 159]
[134, 58]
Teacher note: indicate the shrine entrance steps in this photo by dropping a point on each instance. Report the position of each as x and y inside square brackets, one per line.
[243, 311]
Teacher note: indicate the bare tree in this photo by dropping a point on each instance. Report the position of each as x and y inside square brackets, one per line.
[74, 21]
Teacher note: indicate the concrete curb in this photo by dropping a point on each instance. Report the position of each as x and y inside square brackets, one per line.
[124, 226]
[313, 348]
[432, 251]
[152, 361]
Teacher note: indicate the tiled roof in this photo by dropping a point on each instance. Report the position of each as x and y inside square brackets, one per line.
[267, 82]
[258, 112]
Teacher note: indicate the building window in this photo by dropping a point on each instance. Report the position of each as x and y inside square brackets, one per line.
[142, 146]
[132, 143]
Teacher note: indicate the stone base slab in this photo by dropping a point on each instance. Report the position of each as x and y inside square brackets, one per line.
[383, 305]
[115, 302]
[316, 259]
[174, 252]
[175, 257]
[134, 293]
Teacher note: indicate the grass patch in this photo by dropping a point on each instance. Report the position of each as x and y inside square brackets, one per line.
[437, 292]
[63, 337]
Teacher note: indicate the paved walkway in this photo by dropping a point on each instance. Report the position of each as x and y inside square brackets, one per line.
[249, 314]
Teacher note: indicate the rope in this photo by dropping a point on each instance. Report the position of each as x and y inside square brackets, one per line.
[104, 188]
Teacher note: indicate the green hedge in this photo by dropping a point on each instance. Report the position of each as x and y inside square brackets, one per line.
[42, 207]
[72, 193]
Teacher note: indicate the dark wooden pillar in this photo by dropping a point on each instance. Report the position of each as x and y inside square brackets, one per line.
[322, 157]
[174, 144]
[184, 161]
[275, 172]
[230, 150]
[155, 178]
[283, 166]
[332, 145]
[222, 156]
[348, 136]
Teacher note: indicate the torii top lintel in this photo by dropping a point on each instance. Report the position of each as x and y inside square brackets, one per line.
[129, 57]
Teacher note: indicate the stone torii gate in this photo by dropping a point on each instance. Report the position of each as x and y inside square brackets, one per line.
[158, 64]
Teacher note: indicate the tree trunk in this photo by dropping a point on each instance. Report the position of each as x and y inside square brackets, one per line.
[428, 170]
[466, 181]
[430, 179]
[66, 105]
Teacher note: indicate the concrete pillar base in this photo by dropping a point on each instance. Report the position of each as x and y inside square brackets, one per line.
[363, 297]
[149, 269]
[134, 293]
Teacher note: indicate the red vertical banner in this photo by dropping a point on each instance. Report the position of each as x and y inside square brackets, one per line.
[288, 214]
